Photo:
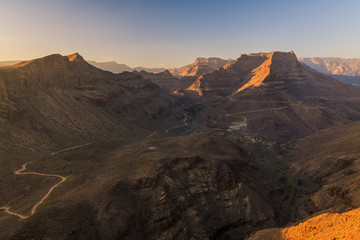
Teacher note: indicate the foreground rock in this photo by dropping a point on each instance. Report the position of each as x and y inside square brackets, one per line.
[325, 226]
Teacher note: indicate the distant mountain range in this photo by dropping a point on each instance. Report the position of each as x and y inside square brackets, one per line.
[334, 65]
[8, 63]
[119, 68]
[343, 69]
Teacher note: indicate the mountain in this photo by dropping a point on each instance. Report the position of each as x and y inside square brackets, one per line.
[111, 66]
[346, 70]
[119, 68]
[261, 143]
[65, 95]
[334, 65]
[200, 66]
[277, 96]
[166, 80]
[129, 166]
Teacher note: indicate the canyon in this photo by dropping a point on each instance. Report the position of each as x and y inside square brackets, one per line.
[219, 149]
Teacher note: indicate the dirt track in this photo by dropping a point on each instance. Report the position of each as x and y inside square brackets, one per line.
[33, 210]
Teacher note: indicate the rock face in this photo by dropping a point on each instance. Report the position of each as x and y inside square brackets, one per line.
[200, 66]
[325, 226]
[226, 80]
[278, 96]
[119, 68]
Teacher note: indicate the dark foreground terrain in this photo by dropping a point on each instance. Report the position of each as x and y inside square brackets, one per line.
[261, 143]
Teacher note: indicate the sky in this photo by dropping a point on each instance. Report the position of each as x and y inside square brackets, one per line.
[172, 33]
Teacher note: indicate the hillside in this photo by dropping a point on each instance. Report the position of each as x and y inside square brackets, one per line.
[326, 168]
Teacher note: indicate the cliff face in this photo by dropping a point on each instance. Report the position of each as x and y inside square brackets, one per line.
[224, 81]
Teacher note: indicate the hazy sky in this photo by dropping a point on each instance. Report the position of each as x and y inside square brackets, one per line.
[175, 32]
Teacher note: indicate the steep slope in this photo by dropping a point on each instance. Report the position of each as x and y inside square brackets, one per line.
[328, 165]
[200, 66]
[119, 68]
[226, 80]
[277, 96]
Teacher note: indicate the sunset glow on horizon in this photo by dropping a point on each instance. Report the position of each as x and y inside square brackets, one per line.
[173, 33]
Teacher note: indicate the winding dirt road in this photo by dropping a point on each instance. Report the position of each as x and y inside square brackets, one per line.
[33, 210]
[183, 125]
[71, 148]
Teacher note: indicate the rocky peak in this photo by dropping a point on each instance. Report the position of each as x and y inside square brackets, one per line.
[54, 70]
[249, 70]
[75, 57]
[276, 64]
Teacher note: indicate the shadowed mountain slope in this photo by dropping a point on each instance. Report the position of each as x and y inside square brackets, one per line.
[65, 94]
[166, 80]
[326, 166]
